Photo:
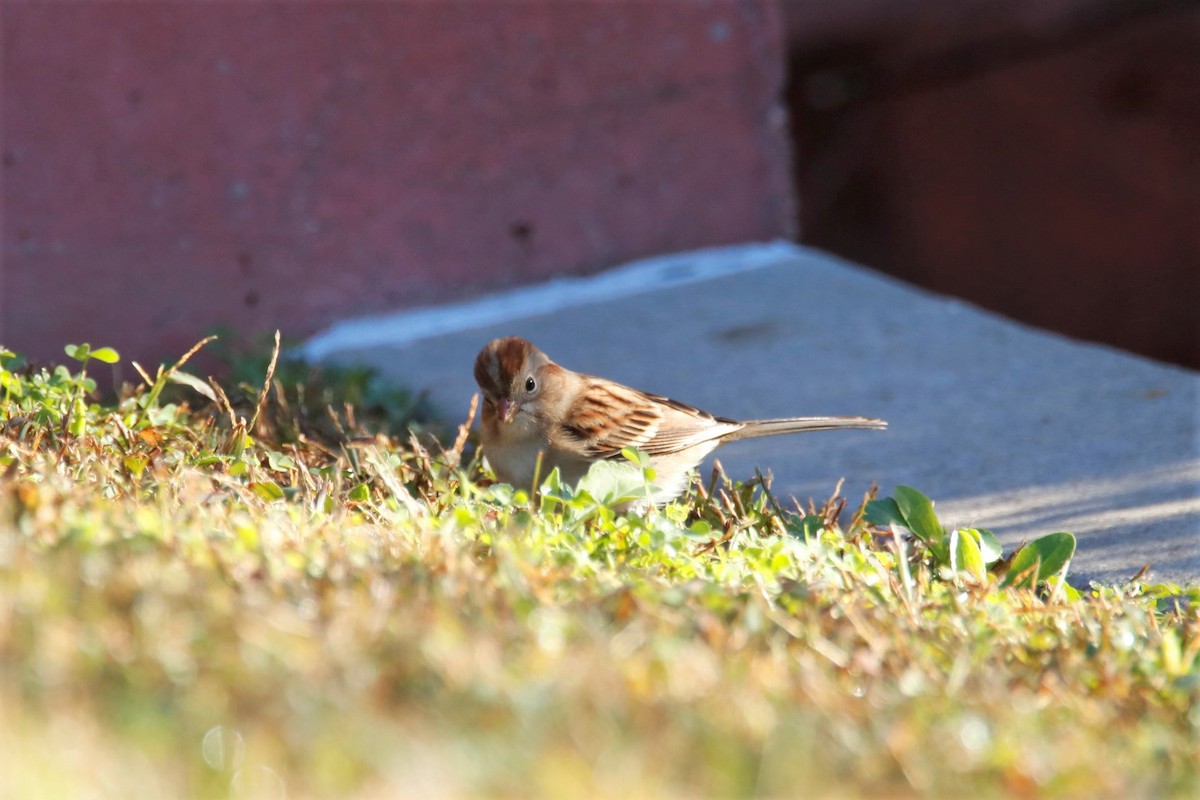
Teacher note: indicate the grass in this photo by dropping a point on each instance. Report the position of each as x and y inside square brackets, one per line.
[247, 591]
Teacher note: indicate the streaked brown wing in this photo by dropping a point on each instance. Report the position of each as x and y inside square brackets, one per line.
[608, 417]
[685, 426]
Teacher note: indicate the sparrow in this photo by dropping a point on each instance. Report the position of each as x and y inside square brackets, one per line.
[535, 410]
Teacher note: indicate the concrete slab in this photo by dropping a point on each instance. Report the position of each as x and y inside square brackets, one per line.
[1005, 426]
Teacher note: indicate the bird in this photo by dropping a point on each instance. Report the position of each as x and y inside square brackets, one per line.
[538, 415]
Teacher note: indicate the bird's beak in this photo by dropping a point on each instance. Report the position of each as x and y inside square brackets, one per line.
[507, 408]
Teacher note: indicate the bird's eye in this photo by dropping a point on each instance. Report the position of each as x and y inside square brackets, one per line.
[530, 384]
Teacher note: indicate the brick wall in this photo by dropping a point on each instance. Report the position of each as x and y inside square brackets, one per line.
[173, 167]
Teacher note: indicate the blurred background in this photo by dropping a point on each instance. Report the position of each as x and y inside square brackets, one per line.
[171, 168]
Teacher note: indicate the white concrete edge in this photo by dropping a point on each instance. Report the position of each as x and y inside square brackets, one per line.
[637, 277]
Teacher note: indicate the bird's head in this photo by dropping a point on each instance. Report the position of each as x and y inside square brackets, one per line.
[511, 374]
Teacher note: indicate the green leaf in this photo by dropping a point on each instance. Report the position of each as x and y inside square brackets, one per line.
[1069, 592]
[635, 456]
[78, 418]
[360, 493]
[884, 512]
[107, 355]
[279, 462]
[79, 352]
[989, 545]
[267, 490]
[195, 383]
[965, 553]
[164, 416]
[918, 514]
[135, 463]
[1040, 559]
[553, 482]
[11, 383]
[613, 482]
[809, 528]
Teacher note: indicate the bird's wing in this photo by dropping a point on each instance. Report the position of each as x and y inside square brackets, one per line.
[608, 417]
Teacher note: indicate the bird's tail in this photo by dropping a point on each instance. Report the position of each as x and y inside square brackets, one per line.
[753, 429]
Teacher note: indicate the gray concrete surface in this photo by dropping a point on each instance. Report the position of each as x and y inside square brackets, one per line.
[1006, 427]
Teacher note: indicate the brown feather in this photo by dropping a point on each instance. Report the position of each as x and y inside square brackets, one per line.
[608, 417]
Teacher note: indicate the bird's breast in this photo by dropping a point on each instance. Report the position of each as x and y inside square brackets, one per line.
[514, 459]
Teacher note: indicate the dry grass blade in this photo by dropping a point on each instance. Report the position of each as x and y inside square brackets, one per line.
[464, 430]
[261, 402]
[223, 402]
[145, 377]
[196, 349]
